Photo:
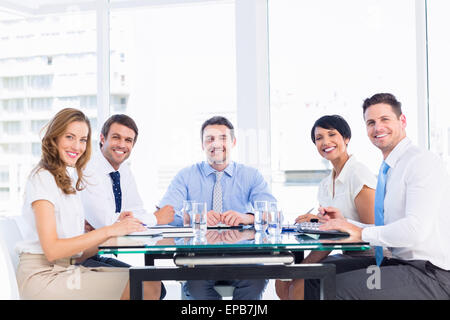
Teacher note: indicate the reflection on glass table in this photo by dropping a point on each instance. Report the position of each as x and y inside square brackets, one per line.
[224, 254]
[230, 240]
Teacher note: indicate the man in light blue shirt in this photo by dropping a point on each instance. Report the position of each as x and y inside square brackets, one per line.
[229, 190]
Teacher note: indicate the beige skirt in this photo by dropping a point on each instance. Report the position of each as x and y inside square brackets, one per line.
[37, 278]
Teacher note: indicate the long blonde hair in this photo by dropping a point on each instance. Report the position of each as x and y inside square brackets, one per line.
[51, 160]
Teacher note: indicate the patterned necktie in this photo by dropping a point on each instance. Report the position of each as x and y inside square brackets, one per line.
[115, 176]
[379, 206]
[217, 193]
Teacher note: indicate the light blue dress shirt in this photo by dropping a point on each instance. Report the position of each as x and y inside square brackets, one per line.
[241, 187]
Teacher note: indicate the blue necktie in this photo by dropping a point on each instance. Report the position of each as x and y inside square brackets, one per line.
[379, 206]
[115, 176]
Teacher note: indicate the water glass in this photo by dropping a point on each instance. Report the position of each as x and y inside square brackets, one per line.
[275, 222]
[186, 211]
[199, 216]
[261, 215]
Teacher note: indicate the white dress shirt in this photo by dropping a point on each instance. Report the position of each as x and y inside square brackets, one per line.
[69, 216]
[98, 196]
[352, 178]
[417, 222]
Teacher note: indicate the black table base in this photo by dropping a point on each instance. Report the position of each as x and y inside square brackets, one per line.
[326, 273]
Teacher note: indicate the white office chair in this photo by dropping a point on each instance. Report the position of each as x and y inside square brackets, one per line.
[9, 236]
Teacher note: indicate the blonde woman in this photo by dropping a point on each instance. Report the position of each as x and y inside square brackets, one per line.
[54, 237]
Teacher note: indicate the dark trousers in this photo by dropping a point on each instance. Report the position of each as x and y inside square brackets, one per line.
[356, 278]
[98, 261]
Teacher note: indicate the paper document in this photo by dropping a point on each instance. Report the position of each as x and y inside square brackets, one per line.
[170, 229]
[148, 232]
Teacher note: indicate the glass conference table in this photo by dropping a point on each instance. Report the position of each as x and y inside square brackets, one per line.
[226, 254]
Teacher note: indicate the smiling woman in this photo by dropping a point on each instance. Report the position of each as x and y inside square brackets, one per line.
[66, 143]
[53, 215]
[72, 144]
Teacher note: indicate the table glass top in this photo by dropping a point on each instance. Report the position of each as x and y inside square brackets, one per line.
[217, 240]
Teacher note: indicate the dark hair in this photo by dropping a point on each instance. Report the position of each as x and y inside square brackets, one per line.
[386, 98]
[220, 121]
[122, 119]
[332, 122]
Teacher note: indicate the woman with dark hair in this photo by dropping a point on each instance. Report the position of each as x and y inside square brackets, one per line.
[53, 218]
[349, 187]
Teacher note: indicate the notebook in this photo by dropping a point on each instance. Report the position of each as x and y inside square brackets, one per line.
[313, 228]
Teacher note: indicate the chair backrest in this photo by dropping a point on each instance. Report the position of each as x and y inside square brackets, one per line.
[9, 236]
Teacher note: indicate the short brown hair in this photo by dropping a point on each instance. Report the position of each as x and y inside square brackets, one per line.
[386, 98]
[122, 119]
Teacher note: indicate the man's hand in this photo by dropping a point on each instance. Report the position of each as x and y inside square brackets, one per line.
[124, 215]
[233, 218]
[343, 225]
[213, 218]
[165, 215]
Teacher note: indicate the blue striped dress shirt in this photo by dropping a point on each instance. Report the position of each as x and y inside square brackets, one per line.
[241, 187]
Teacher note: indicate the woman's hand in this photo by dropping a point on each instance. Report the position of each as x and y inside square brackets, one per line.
[125, 226]
[327, 213]
[307, 218]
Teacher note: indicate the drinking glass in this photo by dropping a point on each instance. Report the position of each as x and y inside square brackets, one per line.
[199, 216]
[275, 218]
[186, 211]
[261, 215]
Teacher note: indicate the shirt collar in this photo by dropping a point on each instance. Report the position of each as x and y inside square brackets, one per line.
[104, 165]
[397, 152]
[207, 169]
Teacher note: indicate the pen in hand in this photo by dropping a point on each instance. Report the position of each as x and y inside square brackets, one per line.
[309, 211]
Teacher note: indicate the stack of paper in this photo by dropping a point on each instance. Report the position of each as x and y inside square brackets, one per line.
[166, 231]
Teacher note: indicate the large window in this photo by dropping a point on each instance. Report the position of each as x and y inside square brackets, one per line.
[173, 64]
[172, 67]
[326, 57]
[439, 69]
[46, 62]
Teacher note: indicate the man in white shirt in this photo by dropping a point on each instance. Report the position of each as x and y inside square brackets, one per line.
[111, 190]
[117, 139]
[413, 219]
